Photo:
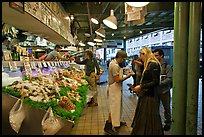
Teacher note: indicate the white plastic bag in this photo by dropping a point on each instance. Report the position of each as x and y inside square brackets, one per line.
[16, 117]
[50, 124]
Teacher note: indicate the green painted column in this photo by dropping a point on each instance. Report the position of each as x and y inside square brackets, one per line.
[180, 68]
[193, 68]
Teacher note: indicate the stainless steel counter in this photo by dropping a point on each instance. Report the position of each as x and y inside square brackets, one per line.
[32, 122]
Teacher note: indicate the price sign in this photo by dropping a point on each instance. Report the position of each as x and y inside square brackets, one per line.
[32, 64]
[27, 67]
[48, 63]
[44, 64]
[52, 64]
[39, 65]
[13, 66]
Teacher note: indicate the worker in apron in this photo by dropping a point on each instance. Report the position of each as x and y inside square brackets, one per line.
[114, 89]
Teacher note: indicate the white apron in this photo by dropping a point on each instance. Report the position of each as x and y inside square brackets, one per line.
[115, 93]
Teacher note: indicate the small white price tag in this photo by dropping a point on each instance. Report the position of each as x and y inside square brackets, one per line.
[44, 64]
[56, 64]
[27, 67]
[52, 64]
[13, 66]
[32, 64]
[39, 65]
[61, 63]
[48, 63]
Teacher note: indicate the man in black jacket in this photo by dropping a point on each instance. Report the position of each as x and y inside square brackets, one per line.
[165, 86]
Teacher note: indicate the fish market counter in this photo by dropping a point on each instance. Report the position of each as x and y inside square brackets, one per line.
[32, 122]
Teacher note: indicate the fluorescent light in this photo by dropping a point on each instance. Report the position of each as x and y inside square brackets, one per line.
[82, 44]
[95, 21]
[91, 43]
[140, 32]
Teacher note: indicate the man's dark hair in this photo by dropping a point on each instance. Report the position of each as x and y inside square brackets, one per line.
[135, 56]
[4, 37]
[57, 46]
[160, 51]
[90, 54]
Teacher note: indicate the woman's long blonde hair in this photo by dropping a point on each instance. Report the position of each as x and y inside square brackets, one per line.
[148, 57]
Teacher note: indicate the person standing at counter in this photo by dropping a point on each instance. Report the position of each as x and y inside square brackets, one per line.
[5, 42]
[91, 65]
[54, 55]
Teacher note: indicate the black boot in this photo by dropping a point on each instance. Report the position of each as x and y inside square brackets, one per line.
[108, 125]
[109, 129]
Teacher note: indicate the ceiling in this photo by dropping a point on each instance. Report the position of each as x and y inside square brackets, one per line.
[160, 15]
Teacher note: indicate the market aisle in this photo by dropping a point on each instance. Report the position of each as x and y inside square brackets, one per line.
[92, 120]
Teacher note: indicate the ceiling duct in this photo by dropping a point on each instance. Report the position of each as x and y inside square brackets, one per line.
[89, 17]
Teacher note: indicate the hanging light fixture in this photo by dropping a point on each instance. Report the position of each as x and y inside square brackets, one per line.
[111, 21]
[81, 44]
[100, 31]
[91, 43]
[98, 39]
[137, 4]
[95, 21]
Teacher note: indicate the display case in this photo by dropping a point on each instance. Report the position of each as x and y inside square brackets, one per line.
[68, 88]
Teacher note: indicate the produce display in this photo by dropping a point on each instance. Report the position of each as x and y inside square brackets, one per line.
[64, 91]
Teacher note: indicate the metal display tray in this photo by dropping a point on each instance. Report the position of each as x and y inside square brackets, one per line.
[32, 122]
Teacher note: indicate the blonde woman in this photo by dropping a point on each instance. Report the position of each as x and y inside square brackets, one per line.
[147, 120]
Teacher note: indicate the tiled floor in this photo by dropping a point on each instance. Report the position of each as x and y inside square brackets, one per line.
[92, 120]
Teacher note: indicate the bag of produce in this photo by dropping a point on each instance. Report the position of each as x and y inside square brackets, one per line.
[16, 116]
[50, 124]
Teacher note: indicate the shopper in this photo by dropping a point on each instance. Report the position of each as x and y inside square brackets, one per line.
[54, 55]
[165, 86]
[115, 93]
[147, 120]
[5, 42]
[137, 67]
[91, 65]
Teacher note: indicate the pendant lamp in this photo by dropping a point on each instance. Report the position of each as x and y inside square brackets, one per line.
[98, 39]
[137, 4]
[100, 31]
[111, 21]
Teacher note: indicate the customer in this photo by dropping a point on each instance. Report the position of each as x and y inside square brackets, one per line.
[115, 93]
[90, 65]
[54, 55]
[135, 57]
[137, 67]
[5, 42]
[147, 120]
[165, 86]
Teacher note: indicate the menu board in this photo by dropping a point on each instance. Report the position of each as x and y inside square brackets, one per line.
[50, 14]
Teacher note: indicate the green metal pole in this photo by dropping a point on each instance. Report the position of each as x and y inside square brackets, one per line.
[180, 68]
[193, 68]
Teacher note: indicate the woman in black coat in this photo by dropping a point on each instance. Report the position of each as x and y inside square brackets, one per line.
[147, 120]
